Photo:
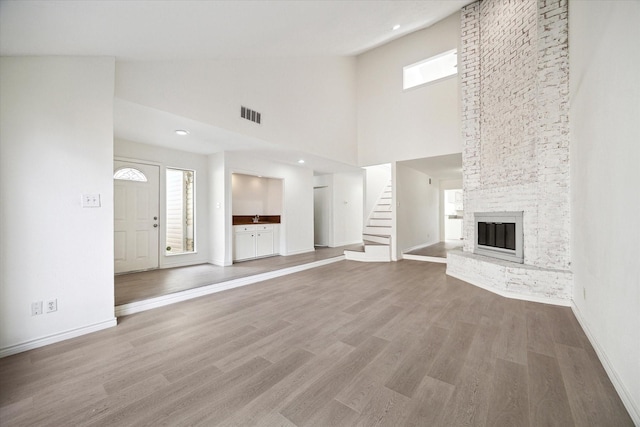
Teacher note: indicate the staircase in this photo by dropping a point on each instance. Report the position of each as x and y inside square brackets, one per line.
[377, 232]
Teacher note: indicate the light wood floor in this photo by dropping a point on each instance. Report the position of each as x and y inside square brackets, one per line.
[347, 344]
[438, 250]
[139, 286]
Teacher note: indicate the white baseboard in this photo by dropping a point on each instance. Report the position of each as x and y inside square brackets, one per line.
[424, 258]
[513, 295]
[51, 339]
[625, 395]
[302, 251]
[136, 307]
[420, 246]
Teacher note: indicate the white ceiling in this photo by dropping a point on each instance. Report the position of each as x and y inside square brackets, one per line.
[440, 167]
[185, 29]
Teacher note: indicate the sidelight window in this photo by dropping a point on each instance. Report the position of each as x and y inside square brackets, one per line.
[180, 216]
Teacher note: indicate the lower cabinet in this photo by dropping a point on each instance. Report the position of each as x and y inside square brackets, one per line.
[264, 243]
[254, 241]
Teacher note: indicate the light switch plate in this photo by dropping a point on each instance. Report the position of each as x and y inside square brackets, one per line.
[91, 200]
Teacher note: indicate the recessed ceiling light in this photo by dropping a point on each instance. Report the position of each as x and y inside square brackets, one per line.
[396, 27]
[181, 132]
[301, 161]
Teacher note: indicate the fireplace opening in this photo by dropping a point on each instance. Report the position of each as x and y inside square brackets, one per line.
[499, 235]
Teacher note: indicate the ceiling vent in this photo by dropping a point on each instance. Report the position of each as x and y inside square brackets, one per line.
[247, 113]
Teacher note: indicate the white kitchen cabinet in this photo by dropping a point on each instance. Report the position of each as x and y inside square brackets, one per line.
[244, 243]
[254, 241]
[264, 243]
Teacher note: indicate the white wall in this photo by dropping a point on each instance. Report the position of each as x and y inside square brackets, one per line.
[605, 131]
[421, 122]
[56, 143]
[306, 104]
[253, 195]
[348, 199]
[344, 206]
[417, 209]
[219, 210]
[164, 157]
[296, 228]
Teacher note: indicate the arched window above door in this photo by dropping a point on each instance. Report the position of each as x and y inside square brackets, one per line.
[130, 174]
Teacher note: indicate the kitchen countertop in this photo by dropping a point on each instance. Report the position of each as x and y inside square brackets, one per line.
[248, 219]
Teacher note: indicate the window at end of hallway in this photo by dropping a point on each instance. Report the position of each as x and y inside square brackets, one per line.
[430, 70]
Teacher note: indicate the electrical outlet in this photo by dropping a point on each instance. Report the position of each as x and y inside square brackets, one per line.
[36, 308]
[52, 305]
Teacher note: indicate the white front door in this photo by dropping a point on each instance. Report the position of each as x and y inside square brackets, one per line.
[136, 216]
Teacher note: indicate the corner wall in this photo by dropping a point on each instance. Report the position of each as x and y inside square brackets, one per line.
[56, 143]
[605, 152]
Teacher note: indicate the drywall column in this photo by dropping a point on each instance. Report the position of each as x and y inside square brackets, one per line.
[56, 144]
[219, 204]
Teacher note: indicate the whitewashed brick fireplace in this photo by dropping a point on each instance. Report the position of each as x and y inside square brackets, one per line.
[515, 85]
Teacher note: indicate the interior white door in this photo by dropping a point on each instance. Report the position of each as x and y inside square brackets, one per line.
[136, 216]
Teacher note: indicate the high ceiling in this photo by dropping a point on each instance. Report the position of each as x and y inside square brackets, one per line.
[132, 30]
[185, 29]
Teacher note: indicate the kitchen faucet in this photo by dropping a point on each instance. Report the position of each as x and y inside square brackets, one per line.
[256, 219]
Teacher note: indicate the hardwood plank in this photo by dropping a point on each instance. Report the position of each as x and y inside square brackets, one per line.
[512, 342]
[216, 411]
[385, 408]
[548, 402]
[426, 407]
[322, 391]
[371, 325]
[387, 362]
[179, 398]
[469, 403]
[110, 404]
[451, 357]
[366, 302]
[590, 404]
[333, 414]
[282, 393]
[509, 402]
[540, 333]
[415, 365]
[564, 325]
[357, 394]
[61, 403]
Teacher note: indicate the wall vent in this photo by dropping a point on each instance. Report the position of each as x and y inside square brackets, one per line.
[249, 114]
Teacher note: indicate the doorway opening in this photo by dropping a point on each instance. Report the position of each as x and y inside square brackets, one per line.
[321, 216]
[453, 214]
